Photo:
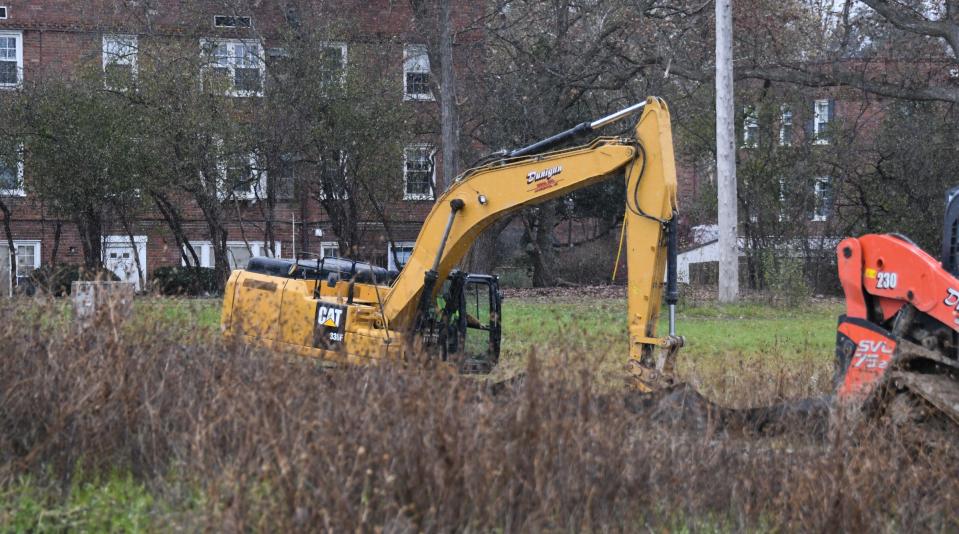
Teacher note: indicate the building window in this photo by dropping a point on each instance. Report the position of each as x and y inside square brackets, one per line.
[329, 249]
[398, 254]
[334, 181]
[120, 60]
[242, 178]
[333, 64]
[785, 126]
[28, 259]
[416, 73]
[11, 179]
[822, 116]
[204, 253]
[750, 127]
[11, 59]
[284, 179]
[235, 67]
[822, 198]
[226, 21]
[418, 172]
[239, 253]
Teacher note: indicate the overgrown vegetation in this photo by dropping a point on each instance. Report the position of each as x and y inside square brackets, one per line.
[160, 425]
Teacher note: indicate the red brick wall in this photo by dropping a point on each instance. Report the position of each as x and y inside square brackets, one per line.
[60, 36]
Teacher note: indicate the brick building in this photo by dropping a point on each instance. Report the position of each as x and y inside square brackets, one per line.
[44, 37]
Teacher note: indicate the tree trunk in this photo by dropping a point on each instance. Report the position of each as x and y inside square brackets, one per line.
[449, 119]
[540, 250]
[7, 231]
[91, 240]
[221, 265]
[57, 231]
[172, 217]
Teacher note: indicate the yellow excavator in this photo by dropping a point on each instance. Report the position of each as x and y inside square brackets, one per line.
[351, 312]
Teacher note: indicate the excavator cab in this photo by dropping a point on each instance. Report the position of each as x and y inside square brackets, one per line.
[469, 327]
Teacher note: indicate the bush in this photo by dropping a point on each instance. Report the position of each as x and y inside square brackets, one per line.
[188, 281]
[57, 280]
[589, 263]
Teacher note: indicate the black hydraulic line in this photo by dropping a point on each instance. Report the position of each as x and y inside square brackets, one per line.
[672, 282]
[579, 129]
[550, 142]
[431, 276]
[455, 205]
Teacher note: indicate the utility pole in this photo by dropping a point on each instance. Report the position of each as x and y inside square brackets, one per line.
[726, 155]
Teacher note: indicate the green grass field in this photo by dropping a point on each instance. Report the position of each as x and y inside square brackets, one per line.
[721, 340]
[713, 332]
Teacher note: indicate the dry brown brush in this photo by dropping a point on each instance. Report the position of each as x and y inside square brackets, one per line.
[280, 444]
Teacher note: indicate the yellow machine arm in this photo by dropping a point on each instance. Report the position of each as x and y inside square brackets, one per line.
[531, 176]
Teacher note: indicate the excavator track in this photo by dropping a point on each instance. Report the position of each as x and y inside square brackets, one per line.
[939, 391]
[920, 384]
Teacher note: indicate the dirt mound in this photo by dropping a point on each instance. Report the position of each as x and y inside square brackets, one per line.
[683, 406]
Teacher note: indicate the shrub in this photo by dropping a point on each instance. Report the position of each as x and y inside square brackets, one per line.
[188, 281]
[57, 280]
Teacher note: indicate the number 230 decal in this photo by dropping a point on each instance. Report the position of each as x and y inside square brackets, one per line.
[887, 280]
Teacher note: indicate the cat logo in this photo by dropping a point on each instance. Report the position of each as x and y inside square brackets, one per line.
[330, 322]
[329, 316]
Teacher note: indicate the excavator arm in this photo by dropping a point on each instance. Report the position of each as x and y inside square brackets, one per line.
[532, 176]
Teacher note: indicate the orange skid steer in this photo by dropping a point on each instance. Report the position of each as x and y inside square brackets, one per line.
[897, 347]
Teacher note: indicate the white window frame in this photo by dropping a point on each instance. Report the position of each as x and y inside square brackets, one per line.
[208, 48]
[390, 262]
[820, 210]
[324, 245]
[257, 248]
[20, 191]
[820, 111]
[17, 243]
[418, 196]
[785, 125]
[412, 64]
[18, 35]
[6, 12]
[203, 249]
[750, 124]
[127, 59]
[258, 188]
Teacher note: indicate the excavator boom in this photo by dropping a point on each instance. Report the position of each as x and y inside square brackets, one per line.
[486, 194]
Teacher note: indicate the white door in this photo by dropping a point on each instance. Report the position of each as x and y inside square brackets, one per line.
[118, 257]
